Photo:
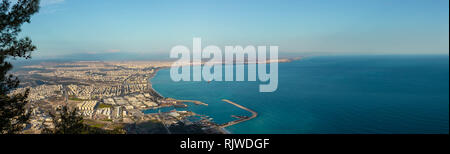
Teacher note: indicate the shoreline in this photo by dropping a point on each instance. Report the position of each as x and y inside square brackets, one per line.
[220, 127]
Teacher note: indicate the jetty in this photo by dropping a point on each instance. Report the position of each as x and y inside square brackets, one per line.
[192, 101]
[241, 119]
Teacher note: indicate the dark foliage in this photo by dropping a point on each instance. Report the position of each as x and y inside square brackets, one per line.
[13, 116]
[68, 121]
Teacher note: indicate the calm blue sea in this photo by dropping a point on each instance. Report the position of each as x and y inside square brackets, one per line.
[332, 94]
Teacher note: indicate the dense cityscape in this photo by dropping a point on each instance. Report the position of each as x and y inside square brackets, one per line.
[108, 95]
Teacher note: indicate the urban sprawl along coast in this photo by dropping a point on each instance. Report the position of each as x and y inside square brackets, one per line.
[111, 95]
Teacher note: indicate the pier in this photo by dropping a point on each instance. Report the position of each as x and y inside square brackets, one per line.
[192, 101]
[254, 115]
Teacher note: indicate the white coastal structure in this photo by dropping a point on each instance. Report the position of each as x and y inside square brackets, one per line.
[87, 105]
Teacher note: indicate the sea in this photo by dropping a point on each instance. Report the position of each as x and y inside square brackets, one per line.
[354, 94]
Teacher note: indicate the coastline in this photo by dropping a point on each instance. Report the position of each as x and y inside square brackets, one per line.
[220, 127]
[222, 130]
[49, 78]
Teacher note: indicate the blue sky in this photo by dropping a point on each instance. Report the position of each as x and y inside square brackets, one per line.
[65, 27]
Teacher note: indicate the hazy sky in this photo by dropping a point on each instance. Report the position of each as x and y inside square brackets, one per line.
[155, 26]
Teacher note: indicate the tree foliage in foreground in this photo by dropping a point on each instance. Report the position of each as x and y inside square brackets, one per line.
[68, 121]
[13, 116]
